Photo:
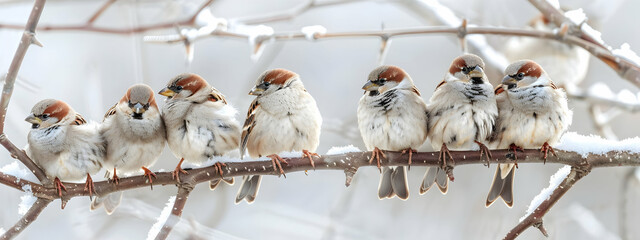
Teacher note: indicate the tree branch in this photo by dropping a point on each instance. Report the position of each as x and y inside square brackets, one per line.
[535, 218]
[89, 27]
[27, 219]
[28, 38]
[624, 68]
[176, 211]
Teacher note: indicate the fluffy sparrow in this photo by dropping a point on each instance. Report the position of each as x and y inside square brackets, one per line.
[392, 116]
[462, 113]
[283, 117]
[135, 136]
[199, 122]
[63, 144]
[533, 113]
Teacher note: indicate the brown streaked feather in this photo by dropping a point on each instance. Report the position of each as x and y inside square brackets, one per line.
[415, 90]
[278, 76]
[393, 73]
[79, 120]
[110, 112]
[553, 85]
[58, 110]
[531, 69]
[457, 65]
[214, 97]
[499, 89]
[248, 126]
[441, 83]
[192, 83]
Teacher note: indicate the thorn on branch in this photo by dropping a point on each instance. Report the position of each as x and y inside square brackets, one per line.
[349, 173]
[540, 227]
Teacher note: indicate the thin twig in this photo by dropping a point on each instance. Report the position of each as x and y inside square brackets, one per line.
[100, 11]
[28, 38]
[631, 71]
[27, 219]
[535, 218]
[89, 27]
[176, 211]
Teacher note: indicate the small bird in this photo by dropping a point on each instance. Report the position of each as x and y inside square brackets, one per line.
[283, 117]
[566, 64]
[63, 144]
[199, 122]
[392, 116]
[134, 134]
[533, 113]
[462, 113]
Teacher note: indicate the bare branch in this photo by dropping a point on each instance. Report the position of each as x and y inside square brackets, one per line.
[28, 38]
[535, 218]
[27, 219]
[89, 27]
[176, 211]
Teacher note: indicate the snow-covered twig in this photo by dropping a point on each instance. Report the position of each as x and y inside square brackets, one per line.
[573, 151]
[27, 219]
[590, 40]
[28, 38]
[534, 219]
[176, 211]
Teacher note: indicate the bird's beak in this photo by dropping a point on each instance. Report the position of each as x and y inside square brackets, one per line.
[35, 121]
[370, 86]
[167, 92]
[138, 109]
[507, 80]
[476, 72]
[258, 90]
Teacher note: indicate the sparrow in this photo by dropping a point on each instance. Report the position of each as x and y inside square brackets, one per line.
[200, 124]
[392, 116]
[63, 144]
[462, 113]
[282, 117]
[566, 64]
[134, 134]
[533, 113]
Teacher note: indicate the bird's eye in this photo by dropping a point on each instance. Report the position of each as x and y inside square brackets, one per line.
[382, 80]
[520, 76]
[130, 104]
[179, 87]
[266, 84]
[146, 106]
[45, 116]
[465, 70]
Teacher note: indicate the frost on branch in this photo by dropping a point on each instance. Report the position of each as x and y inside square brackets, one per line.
[625, 52]
[592, 144]
[311, 32]
[256, 35]
[164, 215]
[26, 201]
[554, 182]
[15, 169]
[576, 16]
[343, 150]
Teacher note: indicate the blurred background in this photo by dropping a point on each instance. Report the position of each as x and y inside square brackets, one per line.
[92, 70]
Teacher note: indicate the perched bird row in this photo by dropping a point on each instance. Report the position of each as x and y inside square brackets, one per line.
[526, 110]
[196, 121]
